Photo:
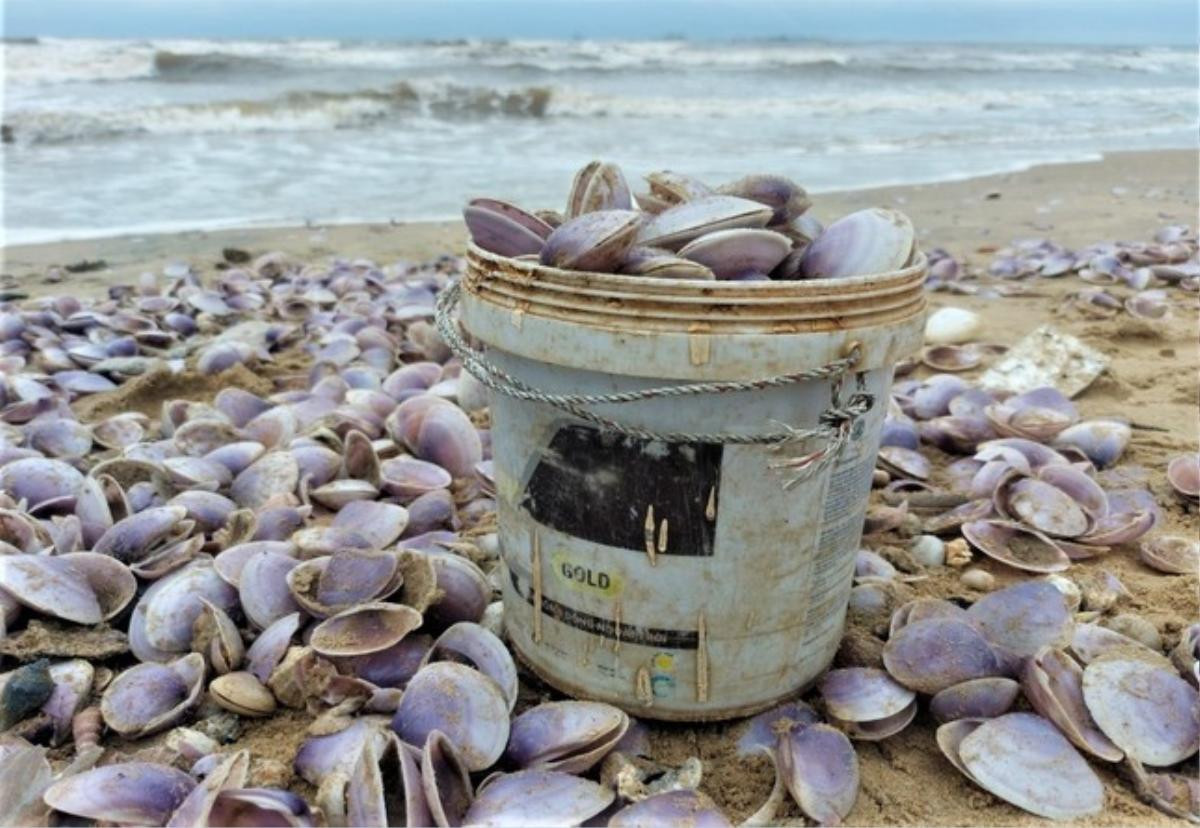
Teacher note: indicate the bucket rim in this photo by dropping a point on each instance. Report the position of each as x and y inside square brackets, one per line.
[713, 291]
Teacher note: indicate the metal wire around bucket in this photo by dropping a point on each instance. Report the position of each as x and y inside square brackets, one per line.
[835, 424]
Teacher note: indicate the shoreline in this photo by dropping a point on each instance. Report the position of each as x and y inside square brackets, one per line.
[220, 230]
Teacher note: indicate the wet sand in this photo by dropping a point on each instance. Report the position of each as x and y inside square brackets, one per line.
[1152, 379]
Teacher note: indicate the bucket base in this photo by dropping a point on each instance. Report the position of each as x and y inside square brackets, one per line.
[644, 711]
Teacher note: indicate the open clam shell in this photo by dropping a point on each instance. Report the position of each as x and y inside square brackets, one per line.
[364, 629]
[1024, 760]
[504, 228]
[465, 705]
[866, 702]
[596, 241]
[385, 787]
[1016, 545]
[136, 793]
[1173, 554]
[149, 697]
[1053, 684]
[682, 807]
[481, 649]
[1183, 473]
[82, 587]
[598, 186]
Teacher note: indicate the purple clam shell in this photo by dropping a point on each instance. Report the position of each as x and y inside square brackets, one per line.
[263, 587]
[464, 704]
[322, 755]
[392, 667]
[252, 807]
[172, 604]
[465, 591]
[274, 473]
[1016, 546]
[728, 253]
[1024, 617]
[537, 799]
[595, 241]
[570, 736]
[1145, 708]
[37, 480]
[504, 228]
[380, 523]
[447, 438]
[682, 807]
[1023, 759]
[863, 694]
[820, 770]
[364, 629]
[407, 477]
[935, 653]
[982, 698]
[352, 576]
[1053, 684]
[470, 643]
[445, 780]
[149, 697]
[264, 655]
[1101, 441]
[385, 788]
[683, 222]
[869, 241]
[140, 793]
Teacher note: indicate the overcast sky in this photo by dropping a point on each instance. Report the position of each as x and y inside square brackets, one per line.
[1134, 22]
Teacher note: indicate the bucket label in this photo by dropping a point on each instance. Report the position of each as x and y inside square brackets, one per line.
[607, 627]
[585, 578]
[626, 492]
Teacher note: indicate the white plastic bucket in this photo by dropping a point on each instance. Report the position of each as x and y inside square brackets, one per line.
[680, 580]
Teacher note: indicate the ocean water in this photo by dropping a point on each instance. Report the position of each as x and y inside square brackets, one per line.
[106, 137]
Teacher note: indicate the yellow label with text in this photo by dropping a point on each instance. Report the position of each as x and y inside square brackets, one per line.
[586, 578]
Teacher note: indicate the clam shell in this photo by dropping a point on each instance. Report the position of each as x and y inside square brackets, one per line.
[464, 704]
[869, 241]
[242, 693]
[1173, 554]
[469, 643]
[952, 326]
[863, 694]
[504, 228]
[1145, 708]
[384, 781]
[595, 241]
[537, 799]
[682, 807]
[264, 655]
[1053, 684]
[138, 793]
[149, 697]
[820, 770]
[982, 698]
[263, 587]
[1183, 473]
[445, 780]
[1024, 617]
[935, 653]
[678, 225]
[1023, 759]
[408, 478]
[567, 736]
[447, 438]
[728, 253]
[1013, 544]
[364, 629]
[598, 186]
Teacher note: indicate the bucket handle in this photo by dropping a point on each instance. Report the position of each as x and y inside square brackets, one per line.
[835, 424]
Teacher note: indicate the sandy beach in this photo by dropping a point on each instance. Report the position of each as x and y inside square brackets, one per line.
[1151, 379]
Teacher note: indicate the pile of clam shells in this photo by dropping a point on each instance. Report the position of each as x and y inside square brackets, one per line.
[1141, 273]
[752, 229]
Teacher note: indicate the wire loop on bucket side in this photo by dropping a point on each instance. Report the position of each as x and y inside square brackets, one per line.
[835, 424]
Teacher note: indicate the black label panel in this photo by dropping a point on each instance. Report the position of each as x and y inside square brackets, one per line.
[602, 487]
